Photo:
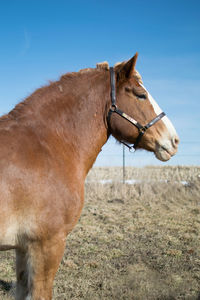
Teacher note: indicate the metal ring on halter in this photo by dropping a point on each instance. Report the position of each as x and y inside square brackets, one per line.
[113, 107]
[142, 130]
[132, 149]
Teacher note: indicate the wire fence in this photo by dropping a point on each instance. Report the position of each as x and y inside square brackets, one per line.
[115, 154]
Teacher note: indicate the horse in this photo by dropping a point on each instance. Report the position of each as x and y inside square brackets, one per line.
[49, 142]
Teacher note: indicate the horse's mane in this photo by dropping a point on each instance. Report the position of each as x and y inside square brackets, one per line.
[50, 91]
[54, 89]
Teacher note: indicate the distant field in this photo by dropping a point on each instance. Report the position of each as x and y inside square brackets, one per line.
[134, 241]
[148, 174]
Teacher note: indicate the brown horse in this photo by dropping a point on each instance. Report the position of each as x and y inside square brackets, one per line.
[48, 144]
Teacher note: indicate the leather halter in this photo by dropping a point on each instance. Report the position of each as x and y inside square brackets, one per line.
[115, 109]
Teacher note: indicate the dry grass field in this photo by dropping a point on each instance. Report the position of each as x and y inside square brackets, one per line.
[134, 241]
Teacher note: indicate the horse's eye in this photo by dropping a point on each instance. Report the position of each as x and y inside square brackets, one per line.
[142, 97]
[139, 96]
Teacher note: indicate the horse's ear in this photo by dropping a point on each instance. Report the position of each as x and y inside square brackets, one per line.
[128, 68]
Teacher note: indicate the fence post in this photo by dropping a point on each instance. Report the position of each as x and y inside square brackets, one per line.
[124, 175]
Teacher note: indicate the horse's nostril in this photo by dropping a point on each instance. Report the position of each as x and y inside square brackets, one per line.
[175, 141]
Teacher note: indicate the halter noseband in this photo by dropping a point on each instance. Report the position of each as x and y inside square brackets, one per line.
[115, 109]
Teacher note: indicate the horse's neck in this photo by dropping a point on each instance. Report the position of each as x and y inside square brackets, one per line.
[79, 119]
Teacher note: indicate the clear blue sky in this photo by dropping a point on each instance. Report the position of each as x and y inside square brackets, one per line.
[40, 40]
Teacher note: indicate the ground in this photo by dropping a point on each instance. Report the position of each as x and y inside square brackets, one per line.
[133, 241]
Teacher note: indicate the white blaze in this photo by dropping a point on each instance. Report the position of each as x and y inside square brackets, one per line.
[157, 111]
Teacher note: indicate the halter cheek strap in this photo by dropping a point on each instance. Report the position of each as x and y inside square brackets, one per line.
[115, 109]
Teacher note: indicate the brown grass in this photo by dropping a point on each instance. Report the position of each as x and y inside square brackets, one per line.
[136, 241]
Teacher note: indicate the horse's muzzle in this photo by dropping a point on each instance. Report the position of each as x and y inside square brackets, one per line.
[166, 149]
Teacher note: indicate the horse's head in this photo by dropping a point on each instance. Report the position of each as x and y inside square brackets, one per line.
[134, 104]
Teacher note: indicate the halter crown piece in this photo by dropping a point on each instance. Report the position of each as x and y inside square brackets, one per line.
[115, 109]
